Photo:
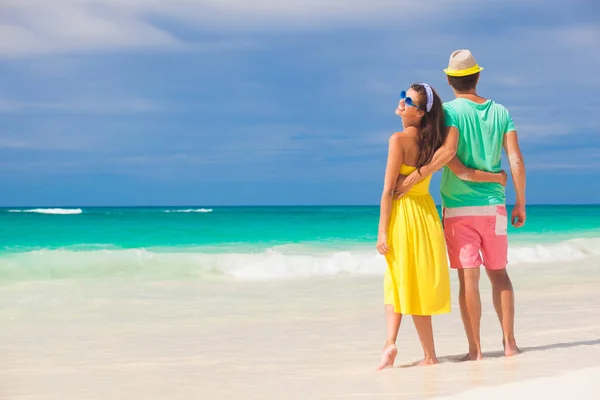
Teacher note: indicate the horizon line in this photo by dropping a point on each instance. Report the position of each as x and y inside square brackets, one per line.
[257, 205]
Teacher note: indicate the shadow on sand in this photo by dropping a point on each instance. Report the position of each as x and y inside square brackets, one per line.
[498, 354]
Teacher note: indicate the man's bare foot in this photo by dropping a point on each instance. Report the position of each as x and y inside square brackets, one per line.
[387, 357]
[427, 361]
[472, 357]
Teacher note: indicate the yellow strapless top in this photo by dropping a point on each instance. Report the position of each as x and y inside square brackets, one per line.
[420, 188]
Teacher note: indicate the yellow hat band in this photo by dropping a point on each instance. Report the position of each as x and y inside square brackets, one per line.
[463, 72]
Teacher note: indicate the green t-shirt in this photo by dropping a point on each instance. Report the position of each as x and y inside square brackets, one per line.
[481, 129]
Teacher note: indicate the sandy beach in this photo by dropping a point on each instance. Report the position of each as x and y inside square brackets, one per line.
[304, 338]
[579, 384]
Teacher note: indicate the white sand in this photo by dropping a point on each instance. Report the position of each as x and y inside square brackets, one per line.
[582, 384]
[301, 339]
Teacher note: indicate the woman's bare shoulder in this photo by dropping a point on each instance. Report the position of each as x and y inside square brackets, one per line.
[403, 138]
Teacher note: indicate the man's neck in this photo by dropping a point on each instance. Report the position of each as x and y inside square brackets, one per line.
[472, 92]
[470, 95]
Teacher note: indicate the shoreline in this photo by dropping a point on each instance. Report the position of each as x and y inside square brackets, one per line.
[314, 338]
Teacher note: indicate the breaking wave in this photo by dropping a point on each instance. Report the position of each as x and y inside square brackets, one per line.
[272, 264]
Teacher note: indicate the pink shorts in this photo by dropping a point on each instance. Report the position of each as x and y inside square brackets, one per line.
[476, 236]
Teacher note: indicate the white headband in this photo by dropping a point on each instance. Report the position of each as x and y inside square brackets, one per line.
[429, 96]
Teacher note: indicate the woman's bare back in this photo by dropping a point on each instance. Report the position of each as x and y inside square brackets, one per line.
[410, 148]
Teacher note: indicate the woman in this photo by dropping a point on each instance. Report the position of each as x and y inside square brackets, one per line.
[410, 232]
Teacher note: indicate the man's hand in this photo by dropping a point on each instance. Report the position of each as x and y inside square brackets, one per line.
[518, 216]
[400, 189]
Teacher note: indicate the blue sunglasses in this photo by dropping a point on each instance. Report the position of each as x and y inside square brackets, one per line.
[408, 101]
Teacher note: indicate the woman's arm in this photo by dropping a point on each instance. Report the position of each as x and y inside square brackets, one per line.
[474, 175]
[392, 170]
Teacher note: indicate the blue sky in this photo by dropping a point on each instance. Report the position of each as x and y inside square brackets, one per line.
[147, 102]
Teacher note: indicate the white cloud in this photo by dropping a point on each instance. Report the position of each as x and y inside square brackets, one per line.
[38, 27]
[63, 140]
[536, 132]
[60, 26]
[557, 159]
[84, 106]
[585, 36]
[559, 166]
[12, 143]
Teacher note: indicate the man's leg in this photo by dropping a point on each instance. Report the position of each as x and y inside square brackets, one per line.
[463, 241]
[470, 310]
[504, 303]
[494, 249]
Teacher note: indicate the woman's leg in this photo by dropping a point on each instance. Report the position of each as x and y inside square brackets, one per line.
[425, 331]
[393, 320]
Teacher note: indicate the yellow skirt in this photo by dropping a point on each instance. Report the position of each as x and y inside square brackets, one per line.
[417, 280]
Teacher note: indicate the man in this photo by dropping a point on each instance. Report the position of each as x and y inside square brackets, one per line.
[474, 213]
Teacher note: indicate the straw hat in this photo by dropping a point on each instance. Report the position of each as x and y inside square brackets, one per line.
[462, 63]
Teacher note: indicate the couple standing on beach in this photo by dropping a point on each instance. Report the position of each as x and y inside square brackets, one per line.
[466, 136]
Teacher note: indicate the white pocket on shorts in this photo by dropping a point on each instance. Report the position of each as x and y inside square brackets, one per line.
[501, 224]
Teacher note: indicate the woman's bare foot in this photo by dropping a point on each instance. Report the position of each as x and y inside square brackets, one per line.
[511, 349]
[509, 352]
[427, 361]
[388, 356]
[472, 357]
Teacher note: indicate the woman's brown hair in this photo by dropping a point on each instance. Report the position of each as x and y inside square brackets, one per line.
[432, 129]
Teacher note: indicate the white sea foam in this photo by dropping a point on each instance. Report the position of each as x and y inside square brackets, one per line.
[60, 211]
[191, 210]
[271, 264]
[570, 250]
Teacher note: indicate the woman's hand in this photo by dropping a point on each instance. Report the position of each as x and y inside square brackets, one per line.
[503, 178]
[382, 246]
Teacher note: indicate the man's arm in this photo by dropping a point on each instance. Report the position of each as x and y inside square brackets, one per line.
[441, 157]
[517, 170]
[475, 175]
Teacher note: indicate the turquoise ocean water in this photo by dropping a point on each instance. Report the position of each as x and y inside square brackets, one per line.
[242, 242]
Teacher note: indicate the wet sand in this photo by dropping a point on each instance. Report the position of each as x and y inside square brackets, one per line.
[297, 339]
